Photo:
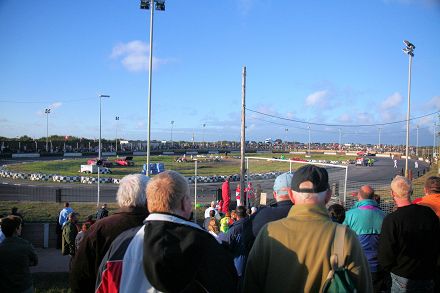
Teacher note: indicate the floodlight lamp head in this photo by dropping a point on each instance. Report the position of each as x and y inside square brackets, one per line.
[145, 4]
[104, 96]
[409, 45]
[160, 5]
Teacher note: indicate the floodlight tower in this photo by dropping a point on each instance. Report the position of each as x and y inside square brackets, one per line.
[160, 6]
[47, 112]
[409, 49]
[100, 122]
[116, 142]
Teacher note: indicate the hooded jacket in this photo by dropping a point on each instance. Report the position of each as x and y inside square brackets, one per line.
[179, 256]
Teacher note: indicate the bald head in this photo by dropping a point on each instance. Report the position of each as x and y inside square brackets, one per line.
[366, 192]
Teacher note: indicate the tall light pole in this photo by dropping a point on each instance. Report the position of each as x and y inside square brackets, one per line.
[116, 140]
[160, 5]
[47, 111]
[435, 139]
[409, 49]
[100, 123]
[172, 124]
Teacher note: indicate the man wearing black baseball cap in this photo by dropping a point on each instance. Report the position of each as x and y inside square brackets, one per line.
[293, 254]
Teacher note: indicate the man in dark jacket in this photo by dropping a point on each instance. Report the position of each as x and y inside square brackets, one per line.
[232, 241]
[132, 202]
[102, 213]
[265, 215]
[178, 255]
[16, 255]
[70, 230]
[409, 242]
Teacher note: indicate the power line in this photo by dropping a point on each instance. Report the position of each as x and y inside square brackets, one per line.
[42, 101]
[340, 125]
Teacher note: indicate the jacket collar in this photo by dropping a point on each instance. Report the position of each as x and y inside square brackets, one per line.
[171, 218]
[309, 212]
[366, 202]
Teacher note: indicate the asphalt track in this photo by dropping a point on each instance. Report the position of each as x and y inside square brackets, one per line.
[380, 174]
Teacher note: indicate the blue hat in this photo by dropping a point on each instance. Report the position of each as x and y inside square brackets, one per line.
[282, 183]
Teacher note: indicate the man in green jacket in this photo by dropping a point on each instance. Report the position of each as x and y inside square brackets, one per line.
[70, 231]
[293, 254]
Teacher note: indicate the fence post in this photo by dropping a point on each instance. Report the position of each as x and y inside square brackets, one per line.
[58, 195]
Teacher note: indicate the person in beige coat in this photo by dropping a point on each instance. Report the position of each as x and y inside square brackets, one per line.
[293, 254]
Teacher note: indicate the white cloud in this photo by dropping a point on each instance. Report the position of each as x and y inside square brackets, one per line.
[392, 101]
[134, 56]
[317, 98]
[435, 102]
[55, 105]
[345, 118]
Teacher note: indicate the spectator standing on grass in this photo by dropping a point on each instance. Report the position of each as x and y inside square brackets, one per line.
[102, 212]
[132, 202]
[70, 230]
[64, 213]
[258, 191]
[365, 218]
[14, 212]
[16, 255]
[226, 195]
[80, 235]
[89, 220]
[293, 254]
[409, 243]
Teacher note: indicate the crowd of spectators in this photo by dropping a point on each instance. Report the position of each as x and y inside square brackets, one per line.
[152, 244]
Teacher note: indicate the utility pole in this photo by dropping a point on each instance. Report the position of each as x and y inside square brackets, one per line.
[243, 134]
[417, 142]
[380, 132]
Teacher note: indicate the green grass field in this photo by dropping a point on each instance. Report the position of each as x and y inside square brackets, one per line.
[228, 166]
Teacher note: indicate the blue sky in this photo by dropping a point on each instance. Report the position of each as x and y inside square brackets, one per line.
[331, 62]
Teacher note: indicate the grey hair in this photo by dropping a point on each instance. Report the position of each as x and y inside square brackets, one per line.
[320, 196]
[132, 191]
[401, 186]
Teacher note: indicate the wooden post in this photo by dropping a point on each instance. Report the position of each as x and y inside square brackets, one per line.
[243, 137]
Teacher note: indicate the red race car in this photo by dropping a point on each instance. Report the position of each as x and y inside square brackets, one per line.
[124, 161]
[105, 163]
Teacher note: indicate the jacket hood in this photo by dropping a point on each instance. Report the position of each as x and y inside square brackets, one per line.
[171, 252]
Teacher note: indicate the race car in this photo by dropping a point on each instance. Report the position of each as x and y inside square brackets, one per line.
[124, 161]
[104, 162]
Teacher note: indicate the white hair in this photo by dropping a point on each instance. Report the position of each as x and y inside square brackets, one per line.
[320, 196]
[132, 191]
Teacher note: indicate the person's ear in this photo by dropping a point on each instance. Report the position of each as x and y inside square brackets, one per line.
[275, 195]
[328, 195]
[291, 196]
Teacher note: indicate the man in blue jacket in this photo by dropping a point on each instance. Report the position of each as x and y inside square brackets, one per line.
[366, 218]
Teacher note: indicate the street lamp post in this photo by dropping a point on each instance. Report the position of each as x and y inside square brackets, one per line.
[309, 139]
[203, 134]
[116, 140]
[100, 123]
[340, 138]
[47, 112]
[409, 49]
[417, 142]
[160, 5]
